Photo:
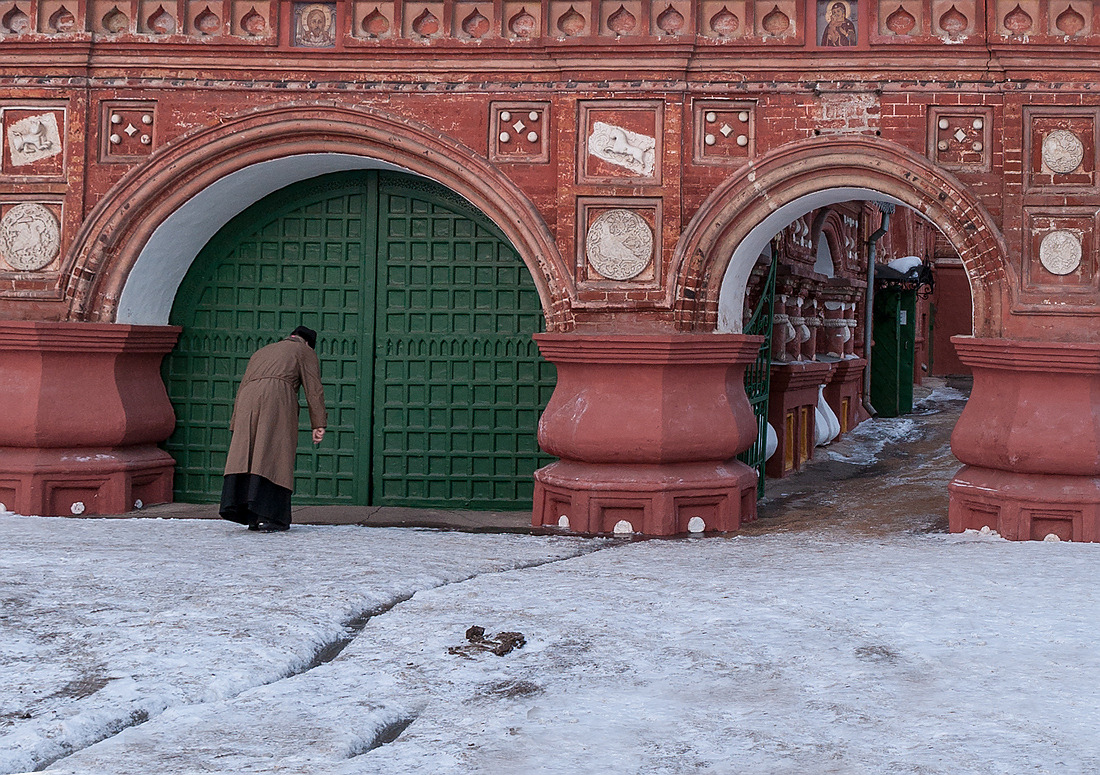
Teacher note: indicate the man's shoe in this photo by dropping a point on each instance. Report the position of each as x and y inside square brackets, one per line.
[271, 527]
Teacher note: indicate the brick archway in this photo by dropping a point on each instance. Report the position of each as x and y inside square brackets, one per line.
[112, 238]
[799, 171]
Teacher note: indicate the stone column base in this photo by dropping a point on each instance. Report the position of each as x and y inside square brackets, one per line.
[1025, 507]
[85, 481]
[82, 409]
[1030, 439]
[657, 500]
[647, 429]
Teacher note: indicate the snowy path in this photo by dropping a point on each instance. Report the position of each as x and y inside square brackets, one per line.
[770, 654]
[104, 624]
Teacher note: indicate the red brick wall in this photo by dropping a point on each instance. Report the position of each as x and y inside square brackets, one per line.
[653, 77]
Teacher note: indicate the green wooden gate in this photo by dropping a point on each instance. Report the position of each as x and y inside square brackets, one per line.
[425, 312]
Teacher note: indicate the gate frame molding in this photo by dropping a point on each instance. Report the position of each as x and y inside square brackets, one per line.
[704, 251]
[115, 232]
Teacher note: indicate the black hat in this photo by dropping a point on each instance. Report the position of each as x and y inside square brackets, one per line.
[308, 334]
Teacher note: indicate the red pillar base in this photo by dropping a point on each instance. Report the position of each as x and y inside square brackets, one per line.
[1030, 439]
[84, 481]
[82, 408]
[647, 428]
[1025, 507]
[649, 499]
[843, 392]
[792, 405]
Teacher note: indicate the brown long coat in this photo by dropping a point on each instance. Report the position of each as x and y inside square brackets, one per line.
[265, 415]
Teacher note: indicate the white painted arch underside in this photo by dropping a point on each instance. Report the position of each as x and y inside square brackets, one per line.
[731, 298]
[151, 286]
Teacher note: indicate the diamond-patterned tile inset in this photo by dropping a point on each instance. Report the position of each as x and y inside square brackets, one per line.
[724, 131]
[518, 132]
[959, 139]
[128, 130]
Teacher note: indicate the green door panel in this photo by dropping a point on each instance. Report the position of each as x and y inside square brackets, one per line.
[894, 329]
[453, 330]
[425, 312]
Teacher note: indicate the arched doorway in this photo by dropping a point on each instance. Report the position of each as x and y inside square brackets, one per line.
[718, 249]
[830, 362]
[425, 313]
[738, 221]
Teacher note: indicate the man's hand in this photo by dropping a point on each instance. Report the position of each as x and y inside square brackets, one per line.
[318, 434]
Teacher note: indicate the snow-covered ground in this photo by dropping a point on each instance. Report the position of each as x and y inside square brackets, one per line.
[798, 652]
[771, 654]
[104, 623]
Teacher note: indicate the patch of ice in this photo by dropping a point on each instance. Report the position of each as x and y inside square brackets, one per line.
[863, 445]
[944, 393]
[985, 534]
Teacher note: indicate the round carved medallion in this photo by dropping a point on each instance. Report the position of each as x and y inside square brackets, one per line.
[1060, 252]
[1062, 151]
[619, 244]
[30, 237]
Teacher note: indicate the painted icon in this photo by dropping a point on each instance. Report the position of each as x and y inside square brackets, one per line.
[315, 25]
[837, 21]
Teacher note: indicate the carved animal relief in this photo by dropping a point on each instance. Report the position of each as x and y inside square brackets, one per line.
[623, 148]
[33, 138]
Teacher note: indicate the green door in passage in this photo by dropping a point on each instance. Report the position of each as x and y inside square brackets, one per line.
[425, 314]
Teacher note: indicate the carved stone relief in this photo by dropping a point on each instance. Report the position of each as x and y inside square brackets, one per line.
[619, 244]
[1063, 151]
[619, 141]
[33, 138]
[1060, 147]
[623, 148]
[1060, 252]
[30, 237]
